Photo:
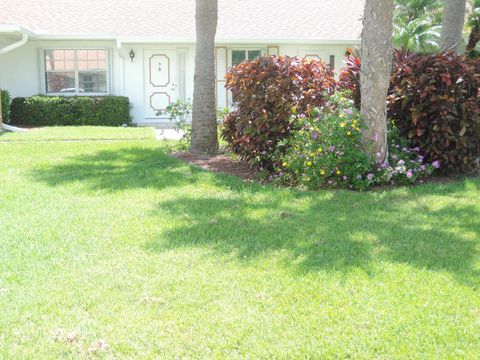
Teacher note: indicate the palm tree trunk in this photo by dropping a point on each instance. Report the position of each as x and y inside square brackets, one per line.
[375, 74]
[204, 117]
[452, 24]
[473, 39]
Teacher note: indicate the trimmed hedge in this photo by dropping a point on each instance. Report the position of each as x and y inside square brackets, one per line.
[70, 111]
[5, 99]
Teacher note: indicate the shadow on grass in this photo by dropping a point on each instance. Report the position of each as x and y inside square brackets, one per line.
[116, 170]
[336, 231]
[341, 232]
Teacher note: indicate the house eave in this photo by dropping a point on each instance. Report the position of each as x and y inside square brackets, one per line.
[219, 41]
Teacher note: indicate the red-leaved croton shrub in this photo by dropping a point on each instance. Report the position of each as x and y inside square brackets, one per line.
[349, 77]
[267, 92]
[435, 102]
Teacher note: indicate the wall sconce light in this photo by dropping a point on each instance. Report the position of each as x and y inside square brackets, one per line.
[132, 55]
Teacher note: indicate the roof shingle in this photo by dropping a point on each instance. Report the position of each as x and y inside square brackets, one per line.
[316, 20]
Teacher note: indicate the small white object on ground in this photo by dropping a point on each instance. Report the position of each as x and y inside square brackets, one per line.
[168, 134]
[13, 128]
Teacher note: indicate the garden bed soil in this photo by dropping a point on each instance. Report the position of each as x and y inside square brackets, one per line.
[219, 163]
[228, 165]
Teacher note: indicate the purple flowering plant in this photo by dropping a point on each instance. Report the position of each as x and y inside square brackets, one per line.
[326, 151]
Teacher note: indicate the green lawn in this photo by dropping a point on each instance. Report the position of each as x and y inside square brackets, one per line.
[116, 241]
[80, 133]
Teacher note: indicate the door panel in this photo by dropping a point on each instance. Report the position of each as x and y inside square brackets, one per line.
[160, 81]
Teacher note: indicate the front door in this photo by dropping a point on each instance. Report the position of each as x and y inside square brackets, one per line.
[161, 89]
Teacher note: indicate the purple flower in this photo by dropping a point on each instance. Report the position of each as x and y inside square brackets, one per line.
[370, 176]
[436, 164]
[314, 135]
[281, 174]
[348, 111]
[331, 148]
[303, 116]
[394, 157]
[401, 162]
[359, 177]
[409, 174]
[416, 149]
[379, 155]
[345, 178]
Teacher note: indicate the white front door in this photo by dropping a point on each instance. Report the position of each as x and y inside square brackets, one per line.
[161, 77]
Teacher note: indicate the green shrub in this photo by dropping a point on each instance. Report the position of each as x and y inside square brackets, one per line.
[70, 111]
[267, 91]
[5, 99]
[326, 150]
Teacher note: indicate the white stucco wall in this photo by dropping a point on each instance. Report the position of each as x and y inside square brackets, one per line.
[22, 72]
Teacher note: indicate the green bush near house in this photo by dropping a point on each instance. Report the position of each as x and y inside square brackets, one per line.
[5, 99]
[70, 111]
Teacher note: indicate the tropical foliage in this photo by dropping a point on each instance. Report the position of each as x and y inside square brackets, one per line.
[473, 23]
[417, 25]
[434, 99]
[268, 91]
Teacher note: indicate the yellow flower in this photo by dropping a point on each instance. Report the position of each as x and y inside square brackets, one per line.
[312, 154]
[322, 172]
[342, 124]
[320, 150]
[309, 163]
[285, 164]
[338, 172]
[308, 178]
[349, 133]
[342, 115]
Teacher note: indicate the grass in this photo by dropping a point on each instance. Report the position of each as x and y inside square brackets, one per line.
[118, 242]
[80, 133]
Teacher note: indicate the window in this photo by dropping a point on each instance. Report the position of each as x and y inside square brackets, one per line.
[76, 71]
[239, 56]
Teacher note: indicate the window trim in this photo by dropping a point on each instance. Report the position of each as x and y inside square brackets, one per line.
[43, 71]
[247, 49]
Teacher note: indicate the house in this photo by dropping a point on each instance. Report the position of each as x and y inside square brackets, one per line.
[145, 49]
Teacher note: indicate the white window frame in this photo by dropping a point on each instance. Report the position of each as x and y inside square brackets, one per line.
[43, 72]
[263, 51]
[247, 49]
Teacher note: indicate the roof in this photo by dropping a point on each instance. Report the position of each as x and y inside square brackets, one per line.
[290, 20]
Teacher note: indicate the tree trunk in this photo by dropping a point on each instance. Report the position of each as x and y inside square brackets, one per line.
[204, 116]
[375, 74]
[452, 24]
[473, 39]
